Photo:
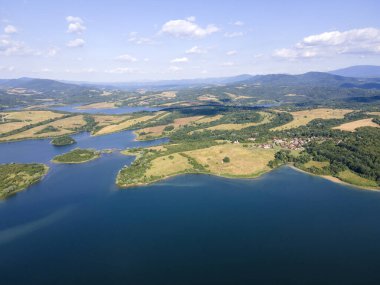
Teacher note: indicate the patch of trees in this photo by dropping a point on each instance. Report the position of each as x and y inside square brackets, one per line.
[358, 152]
[62, 141]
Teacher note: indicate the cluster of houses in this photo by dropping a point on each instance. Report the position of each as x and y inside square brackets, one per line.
[293, 144]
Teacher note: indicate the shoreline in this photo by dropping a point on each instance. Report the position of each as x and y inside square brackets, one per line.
[335, 179]
[253, 176]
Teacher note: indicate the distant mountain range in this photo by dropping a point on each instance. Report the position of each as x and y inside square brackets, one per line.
[366, 77]
[41, 85]
[361, 71]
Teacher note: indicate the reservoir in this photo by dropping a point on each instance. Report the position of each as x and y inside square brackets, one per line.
[286, 227]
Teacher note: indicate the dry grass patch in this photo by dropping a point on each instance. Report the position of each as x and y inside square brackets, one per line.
[105, 120]
[352, 126]
[302, 118]
[374, 113]
[159, 130]
[26, 117]
[209, 119]
[63, 126]
[236, 97]
[157, 148]
[186, 120]
[151, 131]
[208, 97]
[168, 165]
[168, 94]
[317, 164]
[123, 125]
[30, 117]
[249, 162]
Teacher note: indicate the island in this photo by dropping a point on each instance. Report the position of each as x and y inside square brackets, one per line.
[15, 177]
[63, 141]
[77, 156]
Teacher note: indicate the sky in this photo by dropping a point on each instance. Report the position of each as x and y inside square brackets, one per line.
[114, 41]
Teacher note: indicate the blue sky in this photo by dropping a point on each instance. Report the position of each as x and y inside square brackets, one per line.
[150, 40]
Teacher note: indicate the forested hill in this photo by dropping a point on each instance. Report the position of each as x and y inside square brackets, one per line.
[306, 89]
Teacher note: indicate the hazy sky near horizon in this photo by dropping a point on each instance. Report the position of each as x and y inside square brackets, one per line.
[152, 40]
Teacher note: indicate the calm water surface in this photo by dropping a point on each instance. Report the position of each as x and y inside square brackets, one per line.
[76, 227]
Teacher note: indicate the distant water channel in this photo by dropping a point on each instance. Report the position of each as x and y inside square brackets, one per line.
[77, 227]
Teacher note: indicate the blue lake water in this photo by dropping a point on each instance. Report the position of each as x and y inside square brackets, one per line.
[77, 227]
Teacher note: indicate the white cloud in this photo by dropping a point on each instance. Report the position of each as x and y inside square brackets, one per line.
[72, 19]
[175, 68]
[233, 34]
[126, 57]
[76, 43]
[10, 29]
[180, 60]
[136, 39]
[120, 70]
[231, 52]
[238, 23]
[10, 47]
[75, 25]
[191, 18]
[195, 50]
[356, 41]
[187, 29]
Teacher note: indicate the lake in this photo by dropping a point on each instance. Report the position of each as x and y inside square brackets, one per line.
[287, 227]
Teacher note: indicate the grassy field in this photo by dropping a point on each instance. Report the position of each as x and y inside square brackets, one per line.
[17, 177]
[77, 156]
[123, 125]
[94, 106]
[352, 178]
[352, 126]
[64, 127]
[302, 118]
[158, 131]
[244, 162]
[317, 164]
[106, 120]
[15, 120]
[168, 165]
